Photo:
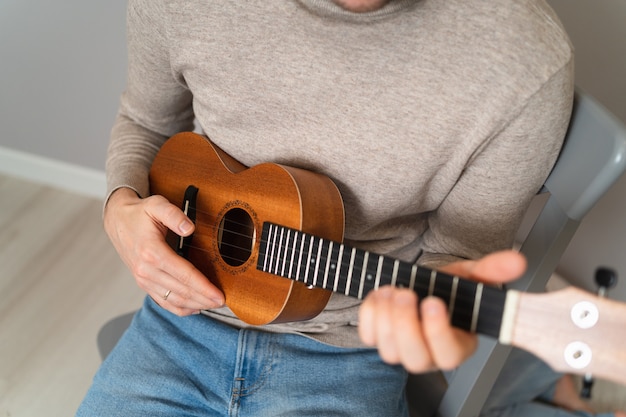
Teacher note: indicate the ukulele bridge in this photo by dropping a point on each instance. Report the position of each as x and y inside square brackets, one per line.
[189, 208]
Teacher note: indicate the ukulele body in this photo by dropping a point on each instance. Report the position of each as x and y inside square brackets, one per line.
[231, 205]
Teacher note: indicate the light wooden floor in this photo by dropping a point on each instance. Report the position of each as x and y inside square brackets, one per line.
[60, 281]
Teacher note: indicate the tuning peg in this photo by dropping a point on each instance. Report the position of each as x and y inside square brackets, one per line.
[585, 391]
[605, 278]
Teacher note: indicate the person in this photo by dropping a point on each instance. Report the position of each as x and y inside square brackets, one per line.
[437, 120]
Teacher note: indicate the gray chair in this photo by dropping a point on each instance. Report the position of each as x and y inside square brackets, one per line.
[593, 157]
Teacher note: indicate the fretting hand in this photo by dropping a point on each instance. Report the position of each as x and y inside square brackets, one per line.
[421, 338]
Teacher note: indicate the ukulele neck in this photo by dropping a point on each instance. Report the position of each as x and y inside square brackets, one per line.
[337, 267]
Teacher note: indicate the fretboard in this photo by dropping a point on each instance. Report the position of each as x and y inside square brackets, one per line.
[337, 267]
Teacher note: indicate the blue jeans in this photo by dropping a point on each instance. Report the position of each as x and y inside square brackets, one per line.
[166, 365]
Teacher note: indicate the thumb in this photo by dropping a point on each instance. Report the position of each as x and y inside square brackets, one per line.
[168, 215]
[495, 268]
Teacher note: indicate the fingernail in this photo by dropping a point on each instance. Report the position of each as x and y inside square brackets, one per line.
[217, 303]
[384, 292]
[185, 226]
[431, 308]
[404, 298]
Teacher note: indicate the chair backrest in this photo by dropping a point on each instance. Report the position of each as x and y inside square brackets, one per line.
[592, 159]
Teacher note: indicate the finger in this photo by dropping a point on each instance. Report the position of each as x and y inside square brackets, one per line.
[194, 284]
[388, 320]
[193, 289]
[410, 344]
[365, 319]
[179, 311]
[168, 215]
[160, 269]
[171, 301]
[503, 266]
[178, 296]
[384, 326]
[448, 346]
[373, 307]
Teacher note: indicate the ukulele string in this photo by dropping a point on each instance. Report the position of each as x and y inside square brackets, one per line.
[492, 314]
[488, 313]
[245, 231]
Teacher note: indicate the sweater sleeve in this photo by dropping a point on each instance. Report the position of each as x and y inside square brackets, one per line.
[483, 211]
[155, 105]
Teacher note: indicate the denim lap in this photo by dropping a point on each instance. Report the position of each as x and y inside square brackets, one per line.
[166, 365]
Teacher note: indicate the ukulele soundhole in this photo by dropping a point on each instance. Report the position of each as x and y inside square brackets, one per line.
[236, 237]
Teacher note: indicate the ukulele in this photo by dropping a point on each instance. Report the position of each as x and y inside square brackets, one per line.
[270, 238]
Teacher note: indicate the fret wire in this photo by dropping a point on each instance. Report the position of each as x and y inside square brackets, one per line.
[293, 252]
[317, 262]
[377, 281]
[267, 248]
[413, 275]
[379, 267]
[477, 298]
[300, 256]
[363, 272]
[278, 249]
[394, 274]
[493, 299]
[366, 256]
[308, 261]
[282, 268]
[455, 286]
[362, 280]
[272, 254]
[339, 263]
[328, 262]
[431, 285]
[351, 267]
[276, 256]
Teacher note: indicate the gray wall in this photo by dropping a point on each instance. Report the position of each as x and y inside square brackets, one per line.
[598, 33]
[62, 67]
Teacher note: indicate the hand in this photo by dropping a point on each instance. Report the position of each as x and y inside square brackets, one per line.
[137, 228]
[424, 340]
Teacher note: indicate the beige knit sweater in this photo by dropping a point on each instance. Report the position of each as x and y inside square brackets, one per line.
[437, 119]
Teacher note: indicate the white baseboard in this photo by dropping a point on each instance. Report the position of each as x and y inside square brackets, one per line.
[74, 178]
